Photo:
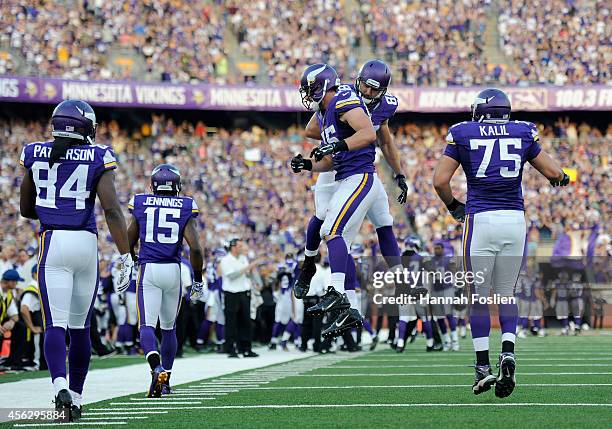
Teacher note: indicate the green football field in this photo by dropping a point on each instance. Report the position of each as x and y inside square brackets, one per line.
[562, 382]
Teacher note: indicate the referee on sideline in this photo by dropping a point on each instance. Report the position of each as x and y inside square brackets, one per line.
[233, 270]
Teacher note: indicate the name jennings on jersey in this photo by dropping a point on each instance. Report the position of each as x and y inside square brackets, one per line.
[493, 157]
[161, 222]
[66, 191]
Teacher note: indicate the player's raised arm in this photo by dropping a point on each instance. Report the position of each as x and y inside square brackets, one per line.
[313, 131]
[364, 135]
[391, 154]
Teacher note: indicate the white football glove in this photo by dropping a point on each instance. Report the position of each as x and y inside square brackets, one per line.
[125, 266]
[198, 292]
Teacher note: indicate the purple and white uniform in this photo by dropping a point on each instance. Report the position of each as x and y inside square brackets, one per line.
[161, 221]
[68, 256]
[358, 190]
[492, 157]
[326, 184]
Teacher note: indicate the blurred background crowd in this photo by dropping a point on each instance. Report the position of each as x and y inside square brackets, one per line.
[428, 42]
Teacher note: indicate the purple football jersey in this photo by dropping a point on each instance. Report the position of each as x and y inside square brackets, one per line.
[66, 192]
[333, 129]
[161, 221]
[381, 111]
[492, 157]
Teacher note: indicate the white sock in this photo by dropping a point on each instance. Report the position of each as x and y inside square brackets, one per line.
[337, 281]
[446, 338]
[481, 344]
[400, 343]
[286, 336]
[454, 336]
[59, 383]
[77, 399]
[352, 297]
[429, 342]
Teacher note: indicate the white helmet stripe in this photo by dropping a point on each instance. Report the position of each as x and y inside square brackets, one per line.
[313, 74]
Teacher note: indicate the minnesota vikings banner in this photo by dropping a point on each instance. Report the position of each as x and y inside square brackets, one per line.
[282, 98]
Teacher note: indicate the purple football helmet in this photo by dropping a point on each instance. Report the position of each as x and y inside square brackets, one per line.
[413, 243]
[316, 80]
[166, 180]
[74, 119]
[491, 105]
[376, 75]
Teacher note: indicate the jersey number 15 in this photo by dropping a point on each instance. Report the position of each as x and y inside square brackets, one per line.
[157, 218]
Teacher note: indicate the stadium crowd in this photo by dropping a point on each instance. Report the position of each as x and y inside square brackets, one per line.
[429, 42]
[241, 182]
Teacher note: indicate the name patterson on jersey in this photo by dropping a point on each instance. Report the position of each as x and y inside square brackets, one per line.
[492, 130]
[163, 202]
[72, 154]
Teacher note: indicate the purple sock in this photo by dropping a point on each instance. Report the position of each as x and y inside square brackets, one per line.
[291, 326]
[368, 327]
[388, 246]
[461, 322]
[204, 330]
[508, 318]
[79, 356]
[452, 322]
[55, 351]
[297, 332]
[313, 234]
[427, 328]
[524, 322]
[537, 324]
[442, 325]
[168, 348]
[121, 334]
[220, 332]
[129, 334]
[578, 322]
[480, 320]
[277, 329]
[402, 330]
[338, 254]
[350, 281]
[564, 322]
[148, 340]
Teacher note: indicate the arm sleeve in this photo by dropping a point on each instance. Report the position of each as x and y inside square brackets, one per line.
[110, 162]
[131, 205]
[349, 101]
[451, 147]
[534, 148]
[195, 211]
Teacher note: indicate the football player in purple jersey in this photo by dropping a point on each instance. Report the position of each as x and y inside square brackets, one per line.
[371, 85]
[348, 148]
[61, 180]
[492, 151]
[160, 221]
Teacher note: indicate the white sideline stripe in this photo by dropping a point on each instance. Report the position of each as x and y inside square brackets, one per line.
[135, 377]
[151, 400]
[441, 356]
[149, 403]
[370, 405]
[114, 418]
[522, 374]
[32, 425]
[427, 386]
[123, 413]
[455, 365]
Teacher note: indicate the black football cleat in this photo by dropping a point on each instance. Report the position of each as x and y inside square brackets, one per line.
[76, 413]
[159, 377]
[506, 381]
[63, 404]
[302, 284]
[400, 346]
[434, 348]
[374, 342]
[347, 320]
[484, 379]
[331, 301]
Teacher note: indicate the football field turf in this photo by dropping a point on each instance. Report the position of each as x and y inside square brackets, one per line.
[562, 382]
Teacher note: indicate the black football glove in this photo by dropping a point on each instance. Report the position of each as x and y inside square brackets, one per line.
[299, 163]
[563, 181]
[457, 210]
[401, 183]
[320, 152]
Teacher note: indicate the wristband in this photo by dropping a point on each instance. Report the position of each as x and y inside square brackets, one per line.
[453, 204]
[197, 277]
[400, 176]
[341, 146]
[307, 164]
